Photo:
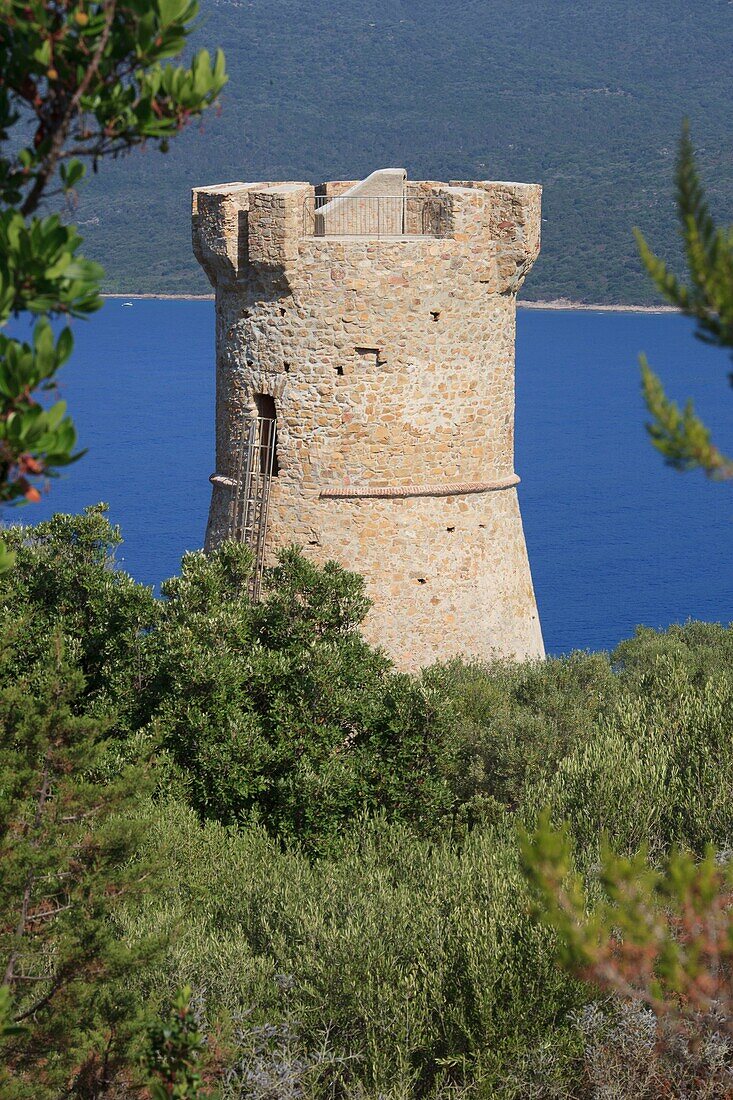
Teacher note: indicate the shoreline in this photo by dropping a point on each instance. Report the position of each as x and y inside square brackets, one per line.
[163, 297]
[556, 303]
[561, 303]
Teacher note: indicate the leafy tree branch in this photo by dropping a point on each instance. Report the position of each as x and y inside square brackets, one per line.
[80, 82]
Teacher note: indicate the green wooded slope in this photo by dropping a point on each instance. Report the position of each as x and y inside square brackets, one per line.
[586, 98]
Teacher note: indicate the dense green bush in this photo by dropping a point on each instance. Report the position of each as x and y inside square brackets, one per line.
[414, 965]
[282, 713]
[64, 583]
[658, 772]
[342, 887]
[70, 857]
[505, 725]
[704, 650]
[279, 713]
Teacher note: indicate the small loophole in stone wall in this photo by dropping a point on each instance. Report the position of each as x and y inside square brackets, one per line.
[370, 353]
[283, 311]
[421, 580]
[286, 368]
[450, 528]
[340, 371]
[435, 314]
[482, 524]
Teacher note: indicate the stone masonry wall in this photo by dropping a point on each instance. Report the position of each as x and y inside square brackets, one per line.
[391, 362]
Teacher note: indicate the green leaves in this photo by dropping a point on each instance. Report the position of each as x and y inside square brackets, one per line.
[102, 68]
[91, 81]
[34, 441]
[24, 366]
[175, 1050]
[281, 712]
[71, 172]
[678, 434]
[41, 271]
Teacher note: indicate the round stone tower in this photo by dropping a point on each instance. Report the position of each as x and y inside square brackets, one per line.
[365, 395]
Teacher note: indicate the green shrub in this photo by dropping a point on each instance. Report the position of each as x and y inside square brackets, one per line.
[70, 858]
[704, 650]
[414, 965]
[505, 725]
[65, 584]
[281, 713]
[342, 890]
[658, 772]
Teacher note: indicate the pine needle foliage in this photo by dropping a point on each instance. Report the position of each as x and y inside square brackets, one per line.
[68, 852]
[679, 434]
[655, 936]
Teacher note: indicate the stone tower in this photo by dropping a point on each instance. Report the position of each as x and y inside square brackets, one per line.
[365, 395]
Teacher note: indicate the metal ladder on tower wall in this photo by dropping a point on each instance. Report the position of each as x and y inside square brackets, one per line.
[256, 467]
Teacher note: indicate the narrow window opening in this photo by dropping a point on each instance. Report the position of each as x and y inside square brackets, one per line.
[283, 311]
[286, 368]
[371, 353]
[267, 414]
[421, 580]
[450, 528]
[340, 371]
[435, 314]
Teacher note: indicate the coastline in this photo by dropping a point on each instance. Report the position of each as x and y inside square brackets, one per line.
[562, 303]
[556, 303]
[163, 297]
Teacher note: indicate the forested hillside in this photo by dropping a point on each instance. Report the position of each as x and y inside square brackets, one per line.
[586, 98]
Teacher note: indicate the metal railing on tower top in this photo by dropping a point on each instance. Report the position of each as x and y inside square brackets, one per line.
[375, 216]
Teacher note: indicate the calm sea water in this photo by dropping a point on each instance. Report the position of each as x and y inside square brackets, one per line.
[615, 538]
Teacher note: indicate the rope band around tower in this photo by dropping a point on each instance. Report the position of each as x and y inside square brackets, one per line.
[396, 491]
[386, 492]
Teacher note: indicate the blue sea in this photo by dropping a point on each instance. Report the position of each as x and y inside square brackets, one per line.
[615, 538]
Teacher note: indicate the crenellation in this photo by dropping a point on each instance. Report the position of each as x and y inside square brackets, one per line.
[390, 359]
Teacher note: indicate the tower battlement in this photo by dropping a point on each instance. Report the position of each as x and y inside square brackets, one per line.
[371, 325]
[494, 226]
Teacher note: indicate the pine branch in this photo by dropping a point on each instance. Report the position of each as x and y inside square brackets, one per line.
[691, 202]
[20, 929]
[664, 280]
[709, 254]
[678, 434]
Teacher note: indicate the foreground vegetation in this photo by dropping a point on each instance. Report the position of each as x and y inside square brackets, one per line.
[241, 855]
[250, 801]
